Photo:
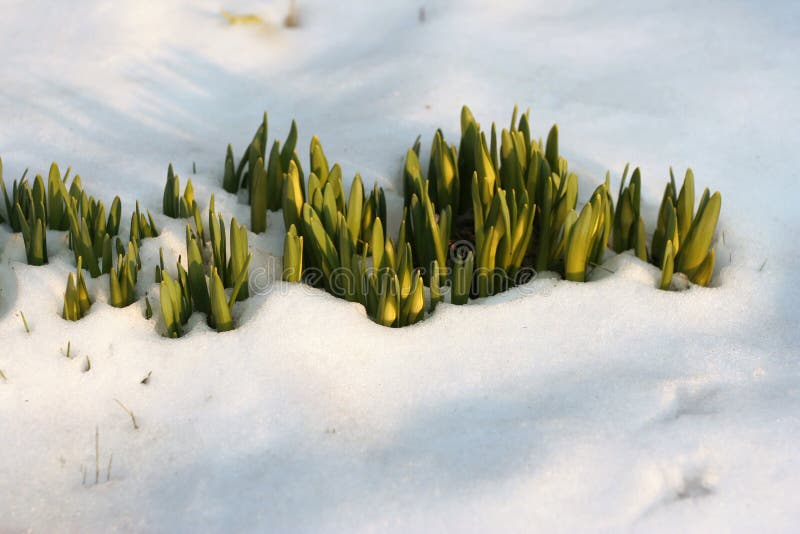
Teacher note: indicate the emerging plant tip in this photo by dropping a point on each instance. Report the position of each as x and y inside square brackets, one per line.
[76, 296]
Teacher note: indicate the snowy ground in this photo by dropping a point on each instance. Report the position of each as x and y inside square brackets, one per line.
[555, 407]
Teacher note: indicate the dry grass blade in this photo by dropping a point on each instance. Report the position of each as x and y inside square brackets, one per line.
[130, 413]
[292, 19]
[244, 18]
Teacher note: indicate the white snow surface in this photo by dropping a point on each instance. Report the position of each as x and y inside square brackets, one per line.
[605, 406]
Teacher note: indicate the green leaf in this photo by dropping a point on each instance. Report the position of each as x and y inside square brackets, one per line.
[258, 200]
[292, 256]
[462, 278]
[239, 254]
[577, 251]
[487, 177]
[289, 146]
[640, 246]
[115, 291]
[220, 312]
[84, 303]
[694, 248]
[240, 282]
[170, 202]
[389, 300]
[486, 262]
[551, 149]
[196, 278]
[71, 311]
[274, 179]
[171, 304]
[413, 305]
[319, 163]
[188, 197]
[377, 244]
[702, 275]
[321, 243]
[436, 292]
[355, 208]
[292, 197]
[114, 217]
[229, 181]
[667, 267]
[685, 205]
[413, 183]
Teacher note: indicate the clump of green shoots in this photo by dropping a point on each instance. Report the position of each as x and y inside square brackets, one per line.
[91, 233]
[174, 204]
[179, 298]
[480, 193]
[587, 234]
[35, 209]
[682, 240]
[54, 204]
[393, 293]
[193, 290]
[628, 223]
[494, 205]
[326, 199]
[34, 235]
[198, 290]
[230, 268]
[176, 304]
[330, 237]
[57, 201]
[141, 226]
[263, 174]
[20, 194]
[325, 236]
[499, 199]
[221, 318]
[390, 289]
[26, 209]
[76, 296]
[430, 230]
[160, 267]
[123, 275]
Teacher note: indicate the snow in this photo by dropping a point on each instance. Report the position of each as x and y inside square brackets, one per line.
[604, 406]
